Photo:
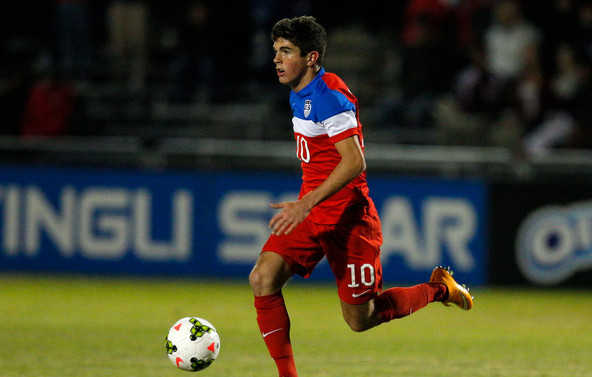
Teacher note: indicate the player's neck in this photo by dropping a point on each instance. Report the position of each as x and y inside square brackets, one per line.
[307, 78]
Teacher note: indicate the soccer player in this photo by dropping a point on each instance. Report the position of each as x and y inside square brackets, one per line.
[334, 217]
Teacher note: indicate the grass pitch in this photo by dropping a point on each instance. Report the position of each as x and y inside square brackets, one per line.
[60, 326]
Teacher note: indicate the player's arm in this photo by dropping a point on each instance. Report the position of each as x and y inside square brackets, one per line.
[351, 165]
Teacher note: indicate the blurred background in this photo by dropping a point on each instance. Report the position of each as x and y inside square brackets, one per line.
[477, 117]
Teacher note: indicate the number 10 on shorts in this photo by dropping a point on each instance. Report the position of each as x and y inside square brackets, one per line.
[366, 275]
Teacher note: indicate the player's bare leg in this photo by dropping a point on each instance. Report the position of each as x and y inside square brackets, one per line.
[267, 278]
[400, 302]
[393, 303]
[360, 317]
[270, 274]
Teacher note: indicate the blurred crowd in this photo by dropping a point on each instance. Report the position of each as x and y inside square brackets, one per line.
[505, 73]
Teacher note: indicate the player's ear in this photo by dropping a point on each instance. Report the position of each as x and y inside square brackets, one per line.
[313, 57]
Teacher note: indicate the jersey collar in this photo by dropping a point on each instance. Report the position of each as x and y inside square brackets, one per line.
[308, 89]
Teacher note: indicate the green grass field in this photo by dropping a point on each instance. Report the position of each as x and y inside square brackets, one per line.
[59, 326]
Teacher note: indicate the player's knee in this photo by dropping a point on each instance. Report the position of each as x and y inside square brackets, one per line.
[357, 324]
[257, 280]
[359, 317]
[269, 275]
[263, 282]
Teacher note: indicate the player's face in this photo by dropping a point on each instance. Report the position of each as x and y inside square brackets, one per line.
[289, 65]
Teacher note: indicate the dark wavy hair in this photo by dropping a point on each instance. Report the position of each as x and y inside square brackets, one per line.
[304, 32]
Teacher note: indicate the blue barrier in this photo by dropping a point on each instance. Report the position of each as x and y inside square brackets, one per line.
[214, 224]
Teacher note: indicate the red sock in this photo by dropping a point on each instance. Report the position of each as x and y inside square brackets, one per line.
[401, 302]
[274, 324]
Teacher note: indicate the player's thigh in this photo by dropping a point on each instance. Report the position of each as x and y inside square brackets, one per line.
[300, 249]
[269, 274]
[353, 252]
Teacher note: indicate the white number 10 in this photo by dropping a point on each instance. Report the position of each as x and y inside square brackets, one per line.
[302, 151]
[366, 275]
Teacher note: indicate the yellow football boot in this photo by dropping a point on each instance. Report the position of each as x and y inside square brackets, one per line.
[457, 294]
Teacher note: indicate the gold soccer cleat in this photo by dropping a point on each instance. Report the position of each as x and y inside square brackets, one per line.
[457, 294]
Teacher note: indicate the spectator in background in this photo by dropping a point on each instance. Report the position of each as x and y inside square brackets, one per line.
[128, 28]
[73, 33]
[525, 103]
[509, 40]
[428, 53]
[194, 63]
[557, 123]
[499, 94]
[476, 89]
[463, 116]
[50, 106]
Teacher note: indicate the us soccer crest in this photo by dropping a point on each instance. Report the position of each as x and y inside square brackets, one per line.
[307, 108]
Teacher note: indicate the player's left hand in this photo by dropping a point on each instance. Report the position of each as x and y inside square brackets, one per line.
[291, 214]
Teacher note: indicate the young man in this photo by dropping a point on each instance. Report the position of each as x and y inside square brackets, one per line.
[334, 216]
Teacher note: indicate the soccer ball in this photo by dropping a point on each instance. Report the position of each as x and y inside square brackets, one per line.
[192, 344]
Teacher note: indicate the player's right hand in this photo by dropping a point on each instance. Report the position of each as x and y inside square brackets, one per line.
[290, 216]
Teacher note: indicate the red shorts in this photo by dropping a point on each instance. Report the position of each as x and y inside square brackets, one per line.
[352, 249]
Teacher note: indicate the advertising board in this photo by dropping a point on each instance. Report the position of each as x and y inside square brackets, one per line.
[207, 224]
[541, 233]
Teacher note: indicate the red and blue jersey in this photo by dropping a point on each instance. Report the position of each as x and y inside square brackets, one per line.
[326, 112]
